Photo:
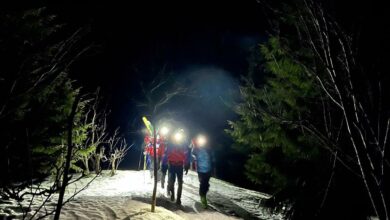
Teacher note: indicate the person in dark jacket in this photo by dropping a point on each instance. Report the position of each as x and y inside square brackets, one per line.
[178, 158]
[202, 154]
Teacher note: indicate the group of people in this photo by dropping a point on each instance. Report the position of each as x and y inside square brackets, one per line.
[174, 156]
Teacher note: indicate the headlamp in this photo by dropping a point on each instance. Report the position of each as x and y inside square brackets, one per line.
[201, 140]
[178, 137]
[164, 131]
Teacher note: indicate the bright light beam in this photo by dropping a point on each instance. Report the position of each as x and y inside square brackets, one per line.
[201, 140]
[179, 136]
[164, 131]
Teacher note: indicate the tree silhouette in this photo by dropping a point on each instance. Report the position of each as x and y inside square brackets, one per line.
[157, 93]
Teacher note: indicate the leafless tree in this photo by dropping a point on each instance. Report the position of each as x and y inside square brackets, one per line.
[94, 125]
[158, 93]
[352, 100]
[42, 197]
[363, 118]
[117, 151]
[97, 157]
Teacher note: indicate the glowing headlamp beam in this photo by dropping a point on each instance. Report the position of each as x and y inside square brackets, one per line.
[201, 140]
[164, 131]
[178, 136]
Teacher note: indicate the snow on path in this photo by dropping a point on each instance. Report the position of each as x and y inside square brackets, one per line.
[85, 208]
[230, 199]
[127, 195]
[224, 197]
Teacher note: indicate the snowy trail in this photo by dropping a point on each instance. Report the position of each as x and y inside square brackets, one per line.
[127, 195]
[223, 197]
[111, 198]
[228, 199]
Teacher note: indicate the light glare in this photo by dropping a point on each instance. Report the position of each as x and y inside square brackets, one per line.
[201, 140]
[164, 131]
[178, 136]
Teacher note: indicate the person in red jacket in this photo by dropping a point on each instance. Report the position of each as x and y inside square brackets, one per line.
[178, 158]
[149, 151]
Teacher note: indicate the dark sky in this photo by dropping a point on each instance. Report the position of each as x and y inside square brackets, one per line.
[146, 37]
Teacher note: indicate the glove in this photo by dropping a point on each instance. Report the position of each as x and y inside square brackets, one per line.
[186, 167]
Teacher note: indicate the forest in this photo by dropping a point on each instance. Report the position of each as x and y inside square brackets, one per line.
[293, 97]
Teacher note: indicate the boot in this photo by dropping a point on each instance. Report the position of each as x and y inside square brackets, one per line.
[179, 189]
[172, 191]
[203, 200]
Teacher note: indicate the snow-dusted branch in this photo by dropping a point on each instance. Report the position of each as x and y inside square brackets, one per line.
[332, 49]
[117, 151]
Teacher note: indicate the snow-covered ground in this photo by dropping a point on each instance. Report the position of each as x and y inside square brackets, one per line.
[127, 195]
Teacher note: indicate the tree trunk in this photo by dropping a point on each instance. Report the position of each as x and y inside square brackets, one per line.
[68, 158]
[97, 164]
[86, 171]
[113, 166]
[98, 158]
[155, 170]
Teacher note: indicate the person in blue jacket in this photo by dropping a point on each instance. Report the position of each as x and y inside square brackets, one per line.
[202, 154]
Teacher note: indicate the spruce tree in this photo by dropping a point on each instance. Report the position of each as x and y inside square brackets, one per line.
[311, 123]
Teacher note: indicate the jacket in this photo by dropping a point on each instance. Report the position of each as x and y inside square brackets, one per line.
[177, 154]
[203, 158]
[160, 146]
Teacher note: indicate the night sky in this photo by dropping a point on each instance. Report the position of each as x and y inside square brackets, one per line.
[205, 46]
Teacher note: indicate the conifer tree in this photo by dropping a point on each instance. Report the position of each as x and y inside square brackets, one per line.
[312, 124]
